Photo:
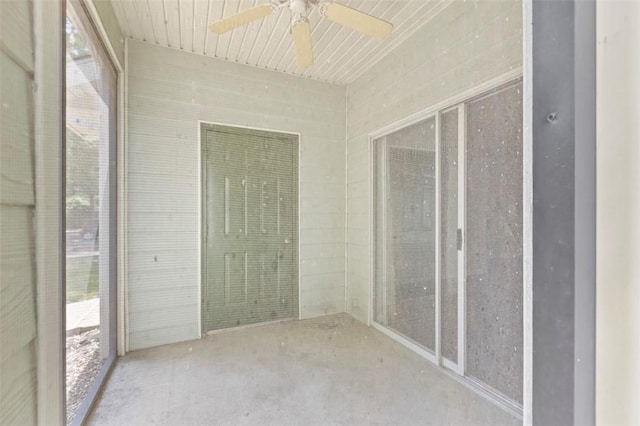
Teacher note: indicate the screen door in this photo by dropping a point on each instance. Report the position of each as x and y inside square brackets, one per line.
[250, 228]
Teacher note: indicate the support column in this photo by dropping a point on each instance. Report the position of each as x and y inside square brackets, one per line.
[563, 232]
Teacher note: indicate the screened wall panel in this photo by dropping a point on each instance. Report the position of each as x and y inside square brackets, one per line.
[91, 87]
[494, 240]
[405, 232]
[448, 233]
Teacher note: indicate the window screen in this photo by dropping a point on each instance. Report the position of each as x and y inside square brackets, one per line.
[90, 211]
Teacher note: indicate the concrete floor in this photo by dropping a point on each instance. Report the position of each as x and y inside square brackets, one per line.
[326, 371]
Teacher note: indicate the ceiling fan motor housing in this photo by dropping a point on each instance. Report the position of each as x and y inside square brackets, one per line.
[299, 9]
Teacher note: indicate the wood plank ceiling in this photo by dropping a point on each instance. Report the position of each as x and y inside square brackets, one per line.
[341, 54]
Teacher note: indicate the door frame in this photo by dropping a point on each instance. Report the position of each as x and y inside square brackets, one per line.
[381, 159]
[201, 241]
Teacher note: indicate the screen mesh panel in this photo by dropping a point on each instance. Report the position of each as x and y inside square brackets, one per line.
[90, 192]
[250, 215]
[448, 234]
[405, 232]
[494, 240]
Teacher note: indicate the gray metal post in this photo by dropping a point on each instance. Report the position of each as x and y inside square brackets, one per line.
[564, 185]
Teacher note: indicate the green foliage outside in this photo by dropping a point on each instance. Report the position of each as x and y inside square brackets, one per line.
[82, 154]
[82, 182]
[76, 46]
[82, 201]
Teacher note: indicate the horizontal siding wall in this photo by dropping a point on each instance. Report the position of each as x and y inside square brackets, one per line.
[468, 43]
[169, 91]
[17, 202]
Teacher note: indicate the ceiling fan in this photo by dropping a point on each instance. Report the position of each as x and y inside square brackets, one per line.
[300, 29]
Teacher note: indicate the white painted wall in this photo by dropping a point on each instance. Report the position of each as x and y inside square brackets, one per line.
[618, 214]
[17, 204]
[466, 44]
[169, 91]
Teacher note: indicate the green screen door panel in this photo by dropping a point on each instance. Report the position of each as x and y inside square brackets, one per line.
[250, 229]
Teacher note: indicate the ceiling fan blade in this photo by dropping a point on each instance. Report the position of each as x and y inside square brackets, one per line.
[357, 20]
[242, 18]
[302, 39]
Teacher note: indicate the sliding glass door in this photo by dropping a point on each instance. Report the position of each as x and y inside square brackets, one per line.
[90, 213]
[447, 227]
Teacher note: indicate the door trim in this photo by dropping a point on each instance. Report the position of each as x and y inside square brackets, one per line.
[201, 253]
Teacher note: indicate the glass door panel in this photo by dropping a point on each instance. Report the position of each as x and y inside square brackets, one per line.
[405, 290]
[494, 240]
